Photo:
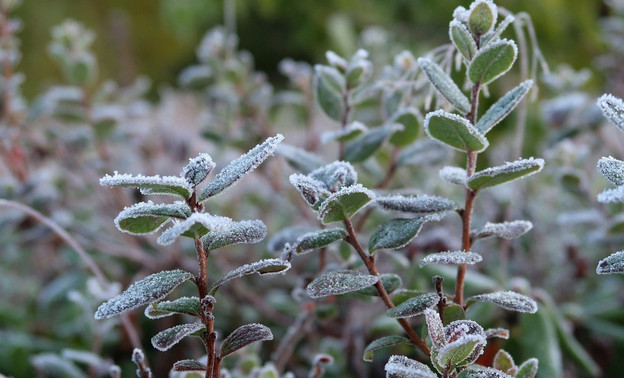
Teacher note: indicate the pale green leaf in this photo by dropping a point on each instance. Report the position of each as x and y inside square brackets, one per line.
[504, 173]
[492, 61]
[478, 371]
[444, 85]
[462, 351]
[395, 233]
[243, 232]
[367, 144]
[342, 205]
[482, 17]
[166, 339]
[410, 122]
[381, 343]
[171, 185]
[508, 300]
[611, 264]
[461, 38]
[454, 131]
[454, 175]
[184, 305]
[317, 239]
[300, 159]
[504, 362]
[422, 204]
[389, 281]
[528, 369]
[243, 336]
[612, 169]
[148, 217]
[613, 109]
[506, 230]
[403, 367]
[347, 133]
[503, 107]
[195, 226]
[262, 267]
[339, 282]
[451, 258]
[329, 87]
[414, 306]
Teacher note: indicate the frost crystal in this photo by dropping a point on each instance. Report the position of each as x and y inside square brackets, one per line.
[613, 109]
[288, 235]
[612, 169]
[414, 306]
[150, 184]
[611, 264]
[339, 282]
[299, 158]
[335, 175]
[264, 267]
[206, 223]
[243, 336]
[508, 300]
[148, 217]
[403, 367]
[615, 195]
[183, 305]
[435, 328]
[451, 257]
[444, 85]
[197, 169]
[311, 190]
[349, 132]
[170, 337]
[189, 365]
[454, 131]
[478, 371]
[501, 333]
[244, 232]
[423, 204]
[318, 239]
[454, 175]
[504, 173]
[505, 230]
[343, 204]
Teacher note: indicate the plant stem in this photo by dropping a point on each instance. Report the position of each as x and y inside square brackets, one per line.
[369, 261]
[210, 337]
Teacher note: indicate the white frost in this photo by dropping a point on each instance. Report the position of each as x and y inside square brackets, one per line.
[166, 339]
[422, 204]
[613, 109]
[505, 230]
[451, 257]
[149, 184]
[612, 169]
[211, 222]
[339, 282]
[403, 367]
[197, 169]
[615, 195]
[454, 175]
[508, 300]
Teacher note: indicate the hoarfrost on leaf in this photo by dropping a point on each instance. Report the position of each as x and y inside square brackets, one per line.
[501, 333]
[390, 281]
[482, 17]
[414, 306]
[339, 282]
[504, 362]
[403, 367]
[152, 288]
[492, 61]
[612, 169]
[184, 305]
[262, 267]
[172, 185]
[611, 264]
[527, 369]
[300, 159]
[166, 339]
[435, 328]
[189, 365]
[317, 239]
[462, 39]
[311, 190]
[243, 336]
[422, 204]
[336, 175]
[478, 371]
[288, 235]
[451, 257]
[615, 195]
[462, 351]
[503, 173]
[241, 166]
[243, 232]
[454, 175]
[342, 205]
[197, 169]
[395, 233]
[197, 225]
[508, 300]
[613, 109]
[148, 217]
[444, 85]
[347, 133]
[503, 107]
[505, 230]
[454, 131]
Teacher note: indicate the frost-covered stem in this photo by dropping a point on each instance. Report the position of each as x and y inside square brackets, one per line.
[369, 261]
[345, 119]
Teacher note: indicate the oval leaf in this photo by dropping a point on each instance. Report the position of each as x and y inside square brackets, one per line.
[611, 264]
[483, 14]
[444, 85]
[347, 133]
[318, 239]
[435, 328]
[329, 86]
[342, 205]
[172, 185]
[612, 169]
[166, 339]
[366, 145]
[381, 343]
[503, 107]
[454, 131]
[528, 369]
[410, 122]
[339, 282]
[492, 61]
[461, 352]
[390, 282]
[613, 109]
[198, 169]
[508, 300]
[506, 230]
[189, 365]
[403, 367]
[454, 175]
[243, 336]
[148, 217]
[504, 173]
[184, 305]
[463, 41]
[336, 175]
[243, 232]
[422, 204]
[267, 266]
[150, 289]
[451, 257]
[414, 306]
[478, 371]
[395, 233]
[195, 226]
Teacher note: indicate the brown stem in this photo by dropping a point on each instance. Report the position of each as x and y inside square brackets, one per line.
[202, 259]
[216, 371]
[369, 261]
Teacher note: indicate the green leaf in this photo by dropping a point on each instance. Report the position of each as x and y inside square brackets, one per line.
[381, 343]
[492, 61]
[366, 145]
[422, 204]
[184, 305]
[390, 282]
[483, 14]
[241, 166]
[188, 366]
[454, 175]
[243, 336]
[243, 232]
[540, 338]
[615, 195]
[197, 169]
[171, 185]
[453, 312]
[504, 173]
[461, 352]
[339, 282]
[166, 339]
[508, 300]
[409, 120]
[504, 362]
[300, 159]
[451, 257]
[528, 369]
[414, 306]
[612, 169]
[329, 87]
[613, 109]
[478, 371]
[395, 233]
[335, 176]
[435, 328]
[349, 132]
[461, 38]
[444, 85]
[506, 230]
[503, 107]
[317, 239]
[152, 288]
[262, 267]
[403, 367]
[342, 205]
[454, 131]
[611, 264]
[495, 34]
[195, 226]
[148, 217]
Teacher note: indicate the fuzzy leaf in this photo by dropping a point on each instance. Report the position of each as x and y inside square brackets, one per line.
[611, 264]
[403, 367]
[540, 337]
[317, 239]
[435, 328]
[390, 282]
[501, 333]
[166, 339]
[395, 233]
[504, 362]
[453, 312]
[613, 109]
[482, 17]
[508, 300]
[184, 305]
[197, 169]
[504, 173]
[422, 204]
[454, 175]
[339, 282]
[243, 336]
[189, 365]
[195, 226]
[311, 190]
[492, 61]
[478, 371]
[148, 217]
[454, 131]
[329, 86]
[349, 132]
[528, 369]
[615, 195]
[267, 266]
[366, 145]
[150, 289]
[506, 230]
[343, 204]
[451, 257]
[444, 85]
[171, 185]
[241, 166]
[462, 351]
[414, 306]
[409, 120]
[423, 152]
[612, 169]
[300, 159]
[503, 107]
[495, 34]
[461, 38]
[381, 343]
[243, 232]
[336, 175]
[287, 235]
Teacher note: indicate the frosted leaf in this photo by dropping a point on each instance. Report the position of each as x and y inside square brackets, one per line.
[148, 217]
[243, 232]
[461, 352]
[504, 362]
[508, 300]
[452, 258]
[503, 107]
[422, 204]
[381, 343]
[414, 306]
[395, 233]
[184, 305]
[444, 85]
[435, 328]
[492, 61]
[51, 364]
[613, 263]
[615, 195]
[311, 190]
[389, 281]
[344, 204]
[336, 175]
[454, 175]
[339, 282]
[166, 339]
[317, 239]
[262, 267]
[114, 371]
[423, 152]
[197, 169]
[329, 86]
[505, 230]
[504, 173]
[336, 60]
[495, 34]
[454, 131]
[243, 336]
[366, 145]
[403, 367]
[501, 333]
[195, 226]
[288, 235]
[344, 134]
[527, 369]
[613, 109]
[410, 120]
[612, 169]
[482, 17]
[478, 371]
[241, 166]
[150, 289]
[189, 365]
[462, 39]
[172, 185]
[300, 159]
